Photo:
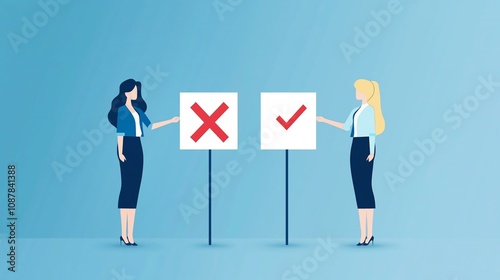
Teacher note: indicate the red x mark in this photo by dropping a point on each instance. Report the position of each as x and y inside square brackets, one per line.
[209, 122]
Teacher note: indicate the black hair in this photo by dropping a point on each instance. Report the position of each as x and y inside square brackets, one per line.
[120, 100]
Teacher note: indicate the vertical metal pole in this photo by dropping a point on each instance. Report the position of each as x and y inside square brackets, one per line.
[209, 197]
[286, 197]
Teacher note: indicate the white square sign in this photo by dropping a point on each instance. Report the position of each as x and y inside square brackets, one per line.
[288, 120]
[209, 120]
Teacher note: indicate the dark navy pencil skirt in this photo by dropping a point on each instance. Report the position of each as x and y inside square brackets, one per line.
[131, 172]
[361, 173]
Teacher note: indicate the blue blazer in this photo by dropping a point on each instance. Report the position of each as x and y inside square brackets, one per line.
[126, 123]
[365, 126]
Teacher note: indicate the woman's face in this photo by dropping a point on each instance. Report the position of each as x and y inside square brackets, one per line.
[132, 94]
[360, 95]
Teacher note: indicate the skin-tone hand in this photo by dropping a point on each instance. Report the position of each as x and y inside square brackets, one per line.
[320, 119]
[122, 157]
[370, 157]
[175, 119]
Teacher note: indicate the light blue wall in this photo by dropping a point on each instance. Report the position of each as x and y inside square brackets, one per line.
[428, 58]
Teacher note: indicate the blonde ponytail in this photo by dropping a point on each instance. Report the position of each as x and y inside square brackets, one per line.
[372, 91]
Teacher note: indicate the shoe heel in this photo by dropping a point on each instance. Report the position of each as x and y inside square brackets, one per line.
[123, 240]
[372, 240]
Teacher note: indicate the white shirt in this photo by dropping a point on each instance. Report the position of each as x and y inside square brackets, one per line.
[356, 118]
[137, 120]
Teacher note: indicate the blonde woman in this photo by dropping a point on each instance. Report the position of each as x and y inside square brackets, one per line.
[364, 123]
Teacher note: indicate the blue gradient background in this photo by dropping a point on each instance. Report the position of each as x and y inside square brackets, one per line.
[426, 60]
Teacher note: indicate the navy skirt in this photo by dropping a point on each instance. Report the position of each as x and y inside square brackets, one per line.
[131, 172]
[361, 173]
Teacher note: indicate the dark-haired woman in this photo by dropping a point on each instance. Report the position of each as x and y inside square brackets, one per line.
[127, 114]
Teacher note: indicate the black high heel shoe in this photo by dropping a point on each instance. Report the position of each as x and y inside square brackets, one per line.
[130, 243]
[371, 240]
[123, 240]
[363, 243]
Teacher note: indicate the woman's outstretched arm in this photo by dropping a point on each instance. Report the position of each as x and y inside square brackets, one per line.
[330, 122]
[163, 123]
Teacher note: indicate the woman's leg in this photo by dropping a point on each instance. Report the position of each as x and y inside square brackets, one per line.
[123, 216]
[131, 220]
[122, 198]
[135, 182]
[369, 218]
[362, 224]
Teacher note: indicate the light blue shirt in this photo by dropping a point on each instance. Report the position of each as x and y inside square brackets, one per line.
[365, 127]
[126, 123]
